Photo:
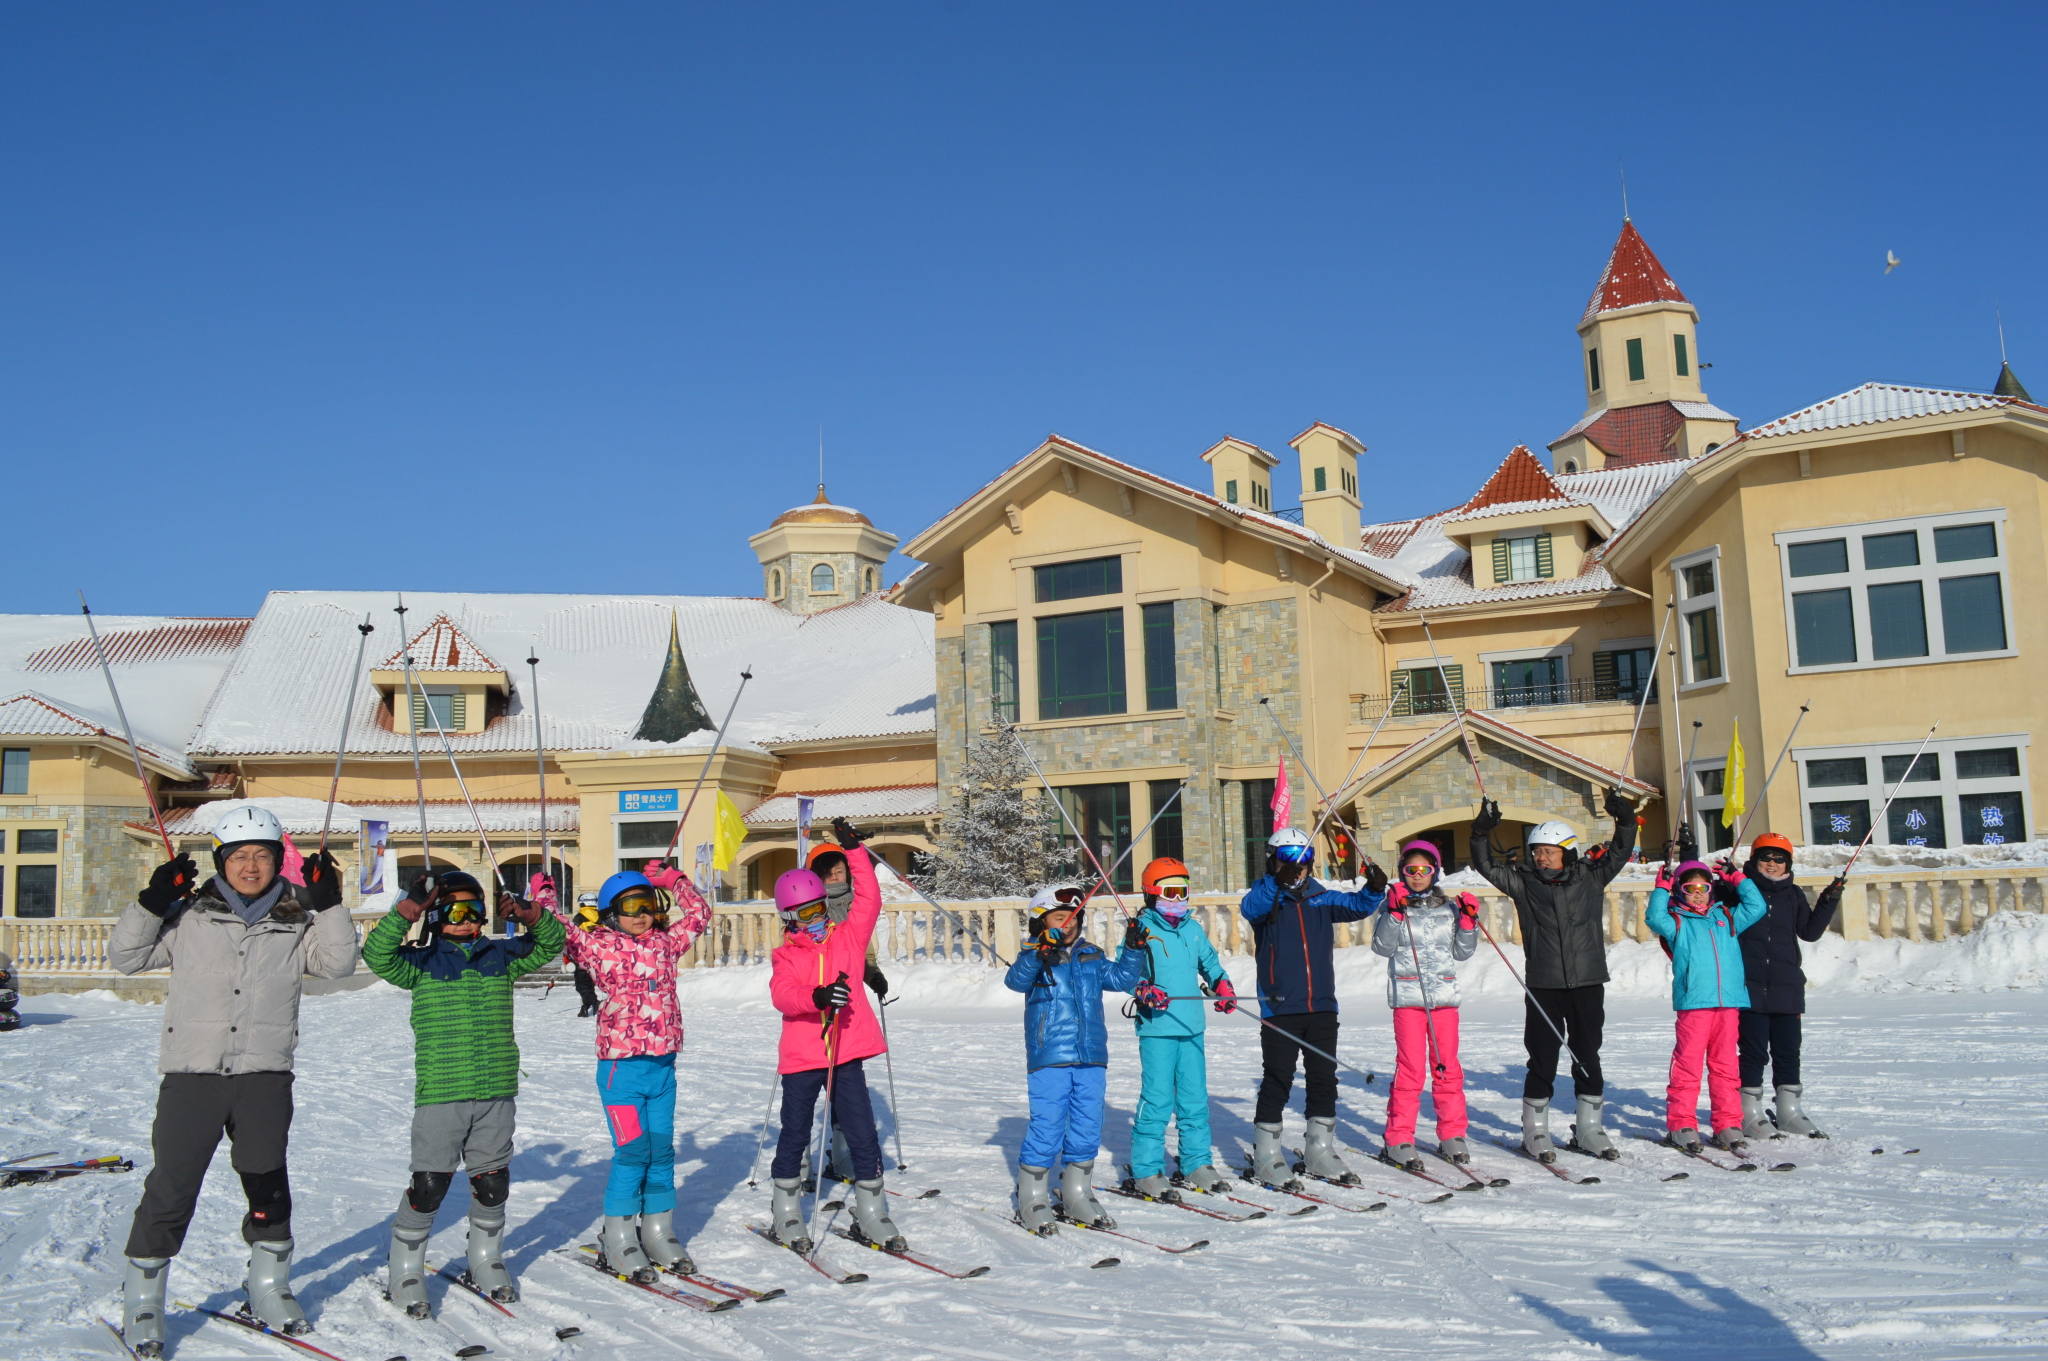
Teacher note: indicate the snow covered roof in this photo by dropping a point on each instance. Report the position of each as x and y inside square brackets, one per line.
[895, 801]
[445, 817]
[1519, 483]
[861, 670]
[169, 639]
[28, 714]
[440, 646]
[1875, 403]
[1633, 277]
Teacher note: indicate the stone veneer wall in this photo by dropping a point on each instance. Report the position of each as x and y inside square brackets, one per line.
[99, 866]
[796, 580]
[1513, 778]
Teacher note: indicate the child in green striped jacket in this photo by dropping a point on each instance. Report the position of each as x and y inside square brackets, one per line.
[466, 1067]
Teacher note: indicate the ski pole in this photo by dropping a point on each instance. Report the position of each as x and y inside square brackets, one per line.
[889, 1064]
[540, 767]
[448, 749]
[1117, 864]
[1529, 996]
[1436, 1063]
[1670, 608]
[363, 631]
[1052, 794]
[1457, 709]
[1691, 752]
[1903, 777]
[824, 1137]
[1239, 1010]
[746, 674]
[761, 1139]
[1329, 810]
[412, 708]
[127, 732]
[1743, 830]
[1302, 761]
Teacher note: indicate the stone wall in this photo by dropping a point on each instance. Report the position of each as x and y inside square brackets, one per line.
[99, 865]
[1443, 784]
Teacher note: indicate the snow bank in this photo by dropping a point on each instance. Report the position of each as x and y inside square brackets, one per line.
[1878, 859]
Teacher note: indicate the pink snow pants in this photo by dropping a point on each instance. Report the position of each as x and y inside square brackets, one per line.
[1710, 1034]
[1412, 1064]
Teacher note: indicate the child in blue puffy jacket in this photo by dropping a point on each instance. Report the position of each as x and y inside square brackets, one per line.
[1708, 993]
[1066, 1052]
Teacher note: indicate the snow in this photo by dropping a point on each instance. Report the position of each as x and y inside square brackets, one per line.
[1935, 1253]
[1888, 859]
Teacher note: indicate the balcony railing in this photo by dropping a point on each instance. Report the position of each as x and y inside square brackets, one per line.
[1370, 708]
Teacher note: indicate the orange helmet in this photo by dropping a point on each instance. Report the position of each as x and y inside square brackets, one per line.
[1161, 870]
[819, 852]
[1775, 841]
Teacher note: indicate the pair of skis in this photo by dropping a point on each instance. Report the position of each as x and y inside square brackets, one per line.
[1294, 1189]
[1715, 1156]
[689, 1299]
[35, 1176]
[915, 1259]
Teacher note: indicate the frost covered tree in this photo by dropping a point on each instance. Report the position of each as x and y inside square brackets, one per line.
[997, 841]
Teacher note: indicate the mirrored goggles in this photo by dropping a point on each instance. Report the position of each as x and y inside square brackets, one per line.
[1696, 888]
[1421, 867]
[809, 912]
[457, 913]
[1294, 855]
[636, 905]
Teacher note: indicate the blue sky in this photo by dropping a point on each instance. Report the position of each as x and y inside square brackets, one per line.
[556, 298]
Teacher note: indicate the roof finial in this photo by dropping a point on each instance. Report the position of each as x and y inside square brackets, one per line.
[1624, 190]
[821, 464]
[1999, 312]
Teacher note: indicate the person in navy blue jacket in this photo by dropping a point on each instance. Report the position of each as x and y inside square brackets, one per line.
[1292, 917]
[1066, 1052]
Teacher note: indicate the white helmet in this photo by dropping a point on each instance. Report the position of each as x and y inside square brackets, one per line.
[246, 823]
[1554, 833]
[1291, 847]
[1287, 836]
[1046, 899]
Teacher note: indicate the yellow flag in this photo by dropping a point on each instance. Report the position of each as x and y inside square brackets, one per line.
[728, 830]
[1734, 797]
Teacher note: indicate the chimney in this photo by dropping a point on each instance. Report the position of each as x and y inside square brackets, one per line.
[1243, 473]
[1329, 483]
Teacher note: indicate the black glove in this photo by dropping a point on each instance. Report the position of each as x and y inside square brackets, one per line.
[1488, 819]
[1688, 845]
[422, 890]
[1619, 808]
[832, 996]
[1831, 896]
[1135, 934]
[1375, 878]
[846, 834]
[323, 880]
[877, 981]
[170, 883]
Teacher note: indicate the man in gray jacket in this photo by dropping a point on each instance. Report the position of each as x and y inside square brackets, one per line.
[239, 950]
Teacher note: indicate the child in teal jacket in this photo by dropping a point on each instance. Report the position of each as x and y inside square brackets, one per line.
[1178, 959]
[1708, 993]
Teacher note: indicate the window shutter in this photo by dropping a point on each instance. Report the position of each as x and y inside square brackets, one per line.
[1397, 694]
[1604, 684]
[1454, 676]
[1545, 564]
[1230, 492]
[458, 713]
[1500, 560]
[420, 722]
[1320, 480]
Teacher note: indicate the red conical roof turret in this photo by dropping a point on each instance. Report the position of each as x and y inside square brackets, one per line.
[1632, 278]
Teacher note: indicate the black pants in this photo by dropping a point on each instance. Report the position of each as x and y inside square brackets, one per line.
[1580, 1013]
[1764, 1035]
[1280, 1051]
[586, 991]
[853, 1115]
[192, 1111]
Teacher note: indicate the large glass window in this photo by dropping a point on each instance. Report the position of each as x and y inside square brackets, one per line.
[1529, 680]
[1081, 664]
[35, 890]
[1428, 689]
[14, 770]
[36, 841]
[1840, 822]
[1167, 838]
[1258, 825]
[1825, 626]
[1890, 603]
[1702, 610]
[640, 842]
[1916, 822]
[1993, 819]
[1939, 795]
[1973, 614]
[1162, 690]
[1623, 673]
[1898, 620]
[1073, 580]
[1002, 662]
[1103, 813]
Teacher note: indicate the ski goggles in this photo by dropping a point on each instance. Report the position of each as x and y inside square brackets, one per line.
[809, 912]
[463, 911]
[1424, 868]
[636, 904]
[1294, 855]
[1696, 889]
[1178, 892]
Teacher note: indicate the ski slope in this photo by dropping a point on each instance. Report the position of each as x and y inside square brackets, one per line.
[1943, 1252]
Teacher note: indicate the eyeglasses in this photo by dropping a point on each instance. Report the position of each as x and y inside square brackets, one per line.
[457, 913]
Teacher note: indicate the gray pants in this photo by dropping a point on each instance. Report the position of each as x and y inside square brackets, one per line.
[192, 1111]
[451, 1134]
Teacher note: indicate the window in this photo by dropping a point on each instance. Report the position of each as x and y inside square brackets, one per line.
[867, 581]
[1941, 799]
[1258, 825]
[1530, 680]
[1928, 767]
[645, 840]
[1166, 832]
[1699, 579]
[1073, 580]
[1593, 370]
[14, 771]
[1635, 361]
[1993, 819]
[36, 841]
[1320, 483]
[1230, 491]
[1996, 763]
[35, 890]
[28, 878]
[1707, 802]
[1081, 664]
[1002, 661]
[1892, 603]
[1216, 648]
[1701, 587]
[439, 711]
[1840, 822]
[1680, 360]
[775, 584]
[1836, 773]
[1570, 466]
[823, 582]
[1103, 813]
[1624, 673]
[1421, 689]
[1161, 688]
[1523, 559]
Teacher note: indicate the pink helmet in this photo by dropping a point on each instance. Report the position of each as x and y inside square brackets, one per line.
[794, 889]
[1692, 867]
[1428, 848]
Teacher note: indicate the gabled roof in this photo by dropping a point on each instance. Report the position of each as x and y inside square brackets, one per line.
[172, 638]
[1483, 724]
[1345, 435]
[1260, 456]
[28, 714]
[1634, 277]
[1873, 404]
[1519, 482]
[881, 802]
[441, 646]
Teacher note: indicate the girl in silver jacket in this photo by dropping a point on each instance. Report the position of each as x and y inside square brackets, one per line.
[1424, 933]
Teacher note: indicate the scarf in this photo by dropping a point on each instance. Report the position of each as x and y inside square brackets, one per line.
[250, 910]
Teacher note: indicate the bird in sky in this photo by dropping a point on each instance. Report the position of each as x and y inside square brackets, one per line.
[1891, 262]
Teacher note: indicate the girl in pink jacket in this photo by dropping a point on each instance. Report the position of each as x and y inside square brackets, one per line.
[632, 953]
[828, 1028]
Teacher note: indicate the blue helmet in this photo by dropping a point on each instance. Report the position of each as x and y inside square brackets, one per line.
[628, 884]
[618, 884]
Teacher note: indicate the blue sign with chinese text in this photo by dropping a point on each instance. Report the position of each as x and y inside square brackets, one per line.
[647, 800]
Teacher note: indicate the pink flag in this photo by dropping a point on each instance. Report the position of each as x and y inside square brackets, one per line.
[1283, 799]
[294, 862]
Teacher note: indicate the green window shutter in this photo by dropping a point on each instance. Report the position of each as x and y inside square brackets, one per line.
[420, 722]
[1678, 353]
[1604, 686]
[1397, 693]
[1454, 676]
[1635, 361]
[1320, 478]
[1500, 560]
[458, 713]
[1230, 491]
[1593, 369]
[1546, 565]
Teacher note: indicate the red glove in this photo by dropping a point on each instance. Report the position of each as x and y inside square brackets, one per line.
[1397, 900]
[663, 875]
[541, 889]
[1664, 879]
[1151, 996]
[1468, 912]
[1226, 996]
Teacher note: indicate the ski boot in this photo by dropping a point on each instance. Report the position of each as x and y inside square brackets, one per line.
[1791, 1118]
[1587, 1136]
[618, 1250]
[1756, 1124]
[1154, 1187]
[406, 1283]
[1730, 1139]
[664, 1250]
[1403, 1156]
[1268, 1165]
[786, 1214]
[1034, 1201]
[1454, 1152]
[1536, 1131]
[269, 1286]
[1320, 1158]
[871, 1217]
[1077, 1197]
[839, 1165]
[487, 1253]
[142, 1305]
[1207, 1177]
[1686, 1141]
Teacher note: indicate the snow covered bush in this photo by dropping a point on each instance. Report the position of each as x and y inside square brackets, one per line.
[1000, 837]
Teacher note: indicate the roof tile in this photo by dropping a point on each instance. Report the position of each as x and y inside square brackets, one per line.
[1633, 277]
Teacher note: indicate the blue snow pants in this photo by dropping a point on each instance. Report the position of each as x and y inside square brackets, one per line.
[1066, 1115]
[1175, 1084]
[639, 1096]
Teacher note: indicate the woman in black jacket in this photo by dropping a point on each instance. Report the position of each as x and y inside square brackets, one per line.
[1777, 987]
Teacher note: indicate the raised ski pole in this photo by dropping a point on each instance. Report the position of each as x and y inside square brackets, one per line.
[1032, 761]
[412, 708]
[363, 631]
[746, 674]
[1636, 731]
[1302, 761]
[1765, 793]
[1330, 810]
[1691, 751]
[1117, 864]
[483, 837]
[127, 732]
[1903, 777]
[540, 768]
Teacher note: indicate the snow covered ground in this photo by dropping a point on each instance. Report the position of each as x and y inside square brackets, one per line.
[1943, 1252]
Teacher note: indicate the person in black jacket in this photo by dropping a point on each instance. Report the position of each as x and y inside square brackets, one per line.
[1777, 987]
[1561, 902]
